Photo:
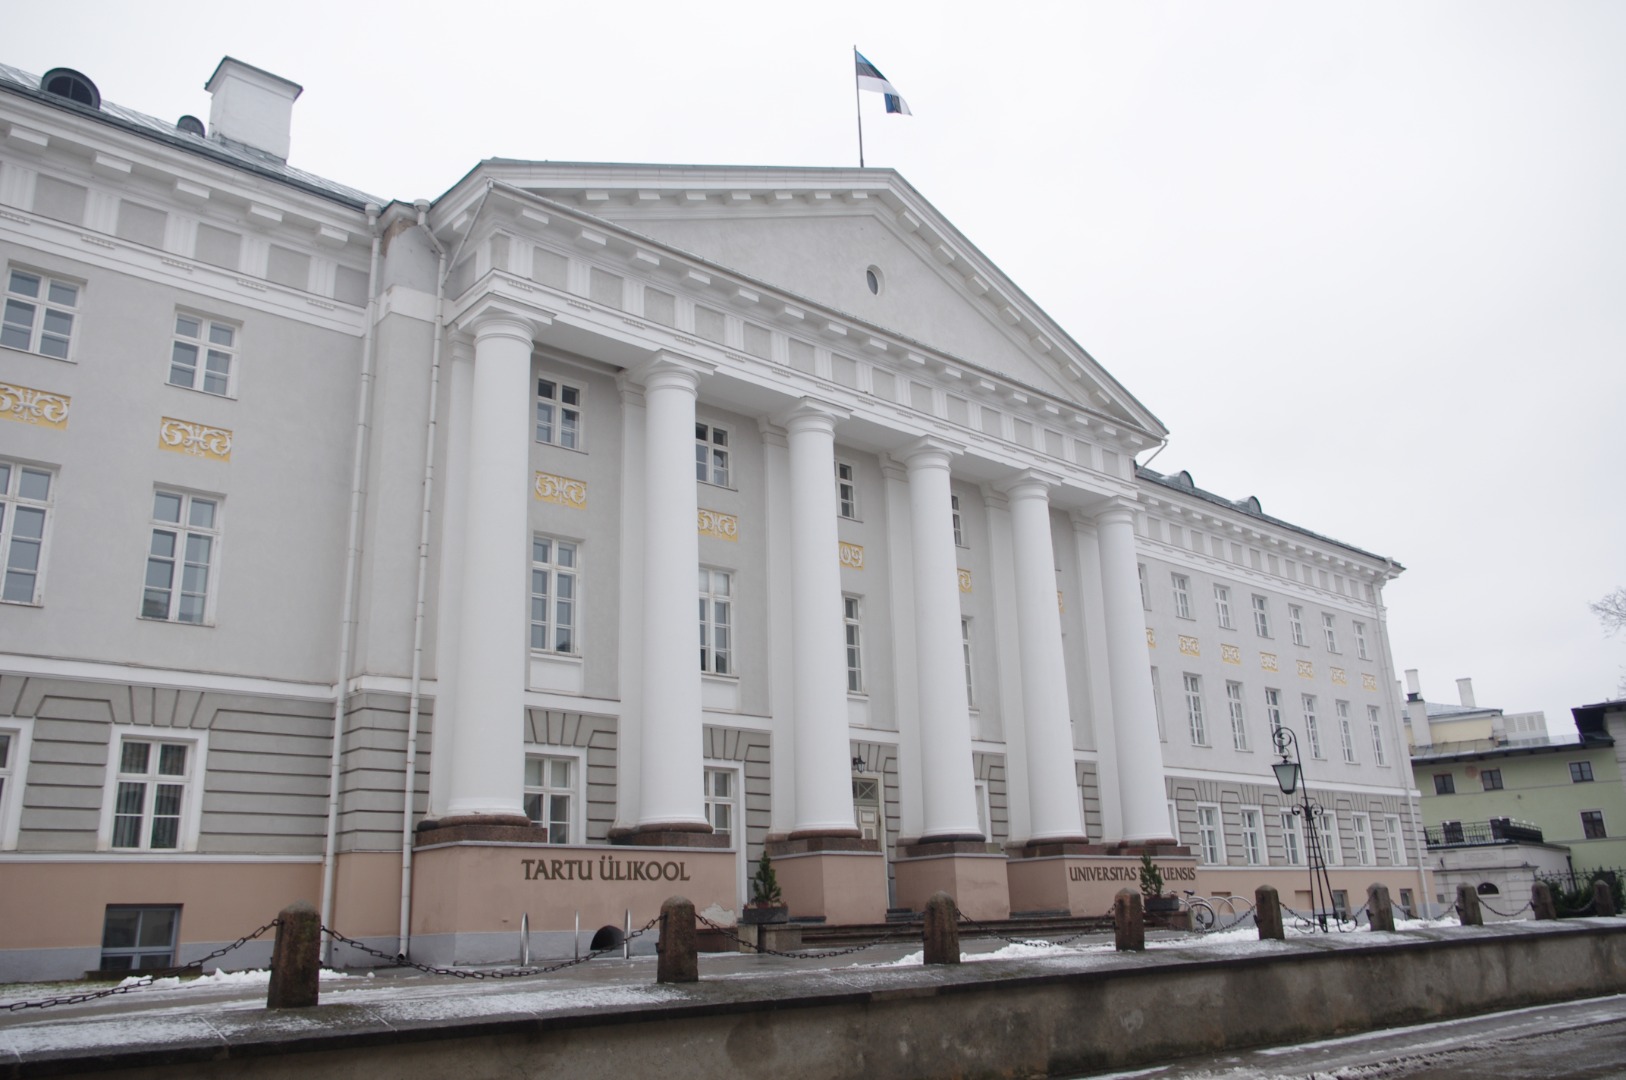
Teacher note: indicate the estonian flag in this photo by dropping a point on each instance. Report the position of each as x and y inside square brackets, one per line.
[870, 78]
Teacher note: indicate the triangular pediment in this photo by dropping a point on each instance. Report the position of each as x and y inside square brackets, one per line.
[819, 234]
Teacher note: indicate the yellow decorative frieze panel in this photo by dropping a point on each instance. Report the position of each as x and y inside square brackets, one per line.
[1369, 681]
[719, 525]
[1151, 638]
[1306, 669]
[561, 491]
[965, 580]
[197, 440]
[29, 406]
[1231, 654]
[852, 555]
[1338, 676]
[1189, 646]
[1267, 662]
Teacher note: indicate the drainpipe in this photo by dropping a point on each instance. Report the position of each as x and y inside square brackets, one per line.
[352, 563]
[419, 619]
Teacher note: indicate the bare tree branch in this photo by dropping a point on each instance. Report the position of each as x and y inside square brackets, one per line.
[1611, 611]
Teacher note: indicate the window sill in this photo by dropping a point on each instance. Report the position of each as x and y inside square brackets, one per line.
[42, 356]
[721, 487]
[175, 622]
[555, 446]
[205, 393]
[23, 603]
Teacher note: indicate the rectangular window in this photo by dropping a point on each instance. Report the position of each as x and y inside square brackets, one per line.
[1580, 772]
[1312, 730]
[1261, 616]
[25, 506]
[711, 455]
[1346, 731]
[719, 794]
[867, 807]
[980, 790]
[716, 622]
[846, 490]
[1328, 630]
[1451, 831]
[965, 652]
[12, 753]
[559, 414]
[139, 938]
[1194, 709]
[1592, 825]
[1157, 706]
[850, 615]
[550, 795]
[185, 534]
[1490, 779]
[1394, 839]
[1444, 784]
[1239, 723]
[1360, 641]
[1222, 606]
[1253, 836]
[1327, 835]
[1182, 595]
[553, 595]
[1374, 719]
[202, 355]
[1295, 623]
[150, 793]
[1145, 595]
[959, 530]
[1209, 837]
[1292, 838]
[39, 314]
[1273, 711]
[1360, 826]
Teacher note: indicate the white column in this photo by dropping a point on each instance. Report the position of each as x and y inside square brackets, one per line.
[1047, 720]
[949, 785]
[488, 762]
[900, 549]
[672, 796]
[781, 664]
[824, 804]
[1097, 677]
[630, 664]
[448, 632]
[1134, 717]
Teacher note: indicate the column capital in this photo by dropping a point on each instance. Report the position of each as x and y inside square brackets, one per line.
[490, 318]
[665, 369]
[1028, 484]
[811, 414]
[1118, 511]
[772, 434]
[929, 452]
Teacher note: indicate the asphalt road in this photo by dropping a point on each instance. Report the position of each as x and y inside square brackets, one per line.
[1581, 1040]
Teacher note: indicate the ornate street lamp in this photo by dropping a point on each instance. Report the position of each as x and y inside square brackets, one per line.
[1290, 778]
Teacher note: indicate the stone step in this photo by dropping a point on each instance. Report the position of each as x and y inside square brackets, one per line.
[1026, 926]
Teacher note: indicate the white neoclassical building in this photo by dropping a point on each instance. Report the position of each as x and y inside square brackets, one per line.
[359, 551]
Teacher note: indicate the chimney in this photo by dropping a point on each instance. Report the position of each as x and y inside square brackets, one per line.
[1417, 711]
[1465, 693]
[251, 107]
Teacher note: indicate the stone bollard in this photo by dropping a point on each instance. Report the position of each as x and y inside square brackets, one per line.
[1267, 913]
[1468, 906]
[296, 958]
[1603, 898]
[1380, 910]
[677, 951]
[941, 930]
[1541, 901]
[1129, 922]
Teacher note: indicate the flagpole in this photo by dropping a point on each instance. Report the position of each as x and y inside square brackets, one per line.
[858, 108]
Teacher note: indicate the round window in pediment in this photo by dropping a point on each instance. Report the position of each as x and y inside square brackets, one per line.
[873, 278]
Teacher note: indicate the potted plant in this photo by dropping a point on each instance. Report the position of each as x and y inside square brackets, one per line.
[767, 903]
[1151, 887]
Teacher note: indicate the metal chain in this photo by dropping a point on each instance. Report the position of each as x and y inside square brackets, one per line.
[1506, 914]
[144, 982]
[732, 934]
[1312, 920]
[397, 960]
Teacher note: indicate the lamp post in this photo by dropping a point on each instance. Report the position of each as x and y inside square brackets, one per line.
[1290, 778]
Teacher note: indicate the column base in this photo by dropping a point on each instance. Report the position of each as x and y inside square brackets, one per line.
[502, 828]
[1082, 879]
[840, 879]
[973, 872]
[669, 836]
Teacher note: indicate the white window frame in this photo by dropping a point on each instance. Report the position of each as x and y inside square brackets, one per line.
[1193, 687]
[1145, 593]
[1261, 615]
[576, 806]
[846, 490]
[1374, 717]
[714, 603]
[1273, 711]
[182, 531]
[1329, 629]
[1239, 716]
[1180, 585]
[1222, 606]
[1332, 852]
[730, 801]
[712, 454]
[959, 525]
[191, 815]
[852, 619]
[1252, 820]
[11, 546]
[970, 674]
[558, 612]
[562, 426]
[1157, 706]
[1312, 729]
[985, 813]
[1346, 731]
[206, 351]
[44, 306]
[1210, 834]
[1360, 640]
[1174, 820]
[13, 777]
[1360, 826]
[1395, 839]
[1295, 622]
[1293, 849]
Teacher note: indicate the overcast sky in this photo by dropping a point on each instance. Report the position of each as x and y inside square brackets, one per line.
[1366, 261]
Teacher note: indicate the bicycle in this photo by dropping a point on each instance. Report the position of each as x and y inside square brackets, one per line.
[1203, 916]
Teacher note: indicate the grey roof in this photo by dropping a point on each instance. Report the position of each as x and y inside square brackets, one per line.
[1181, 482]
[1456, 711]
[225, 151]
